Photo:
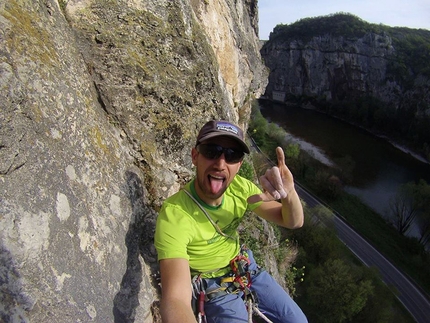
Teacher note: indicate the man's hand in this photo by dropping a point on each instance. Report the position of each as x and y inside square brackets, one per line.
[277, 182]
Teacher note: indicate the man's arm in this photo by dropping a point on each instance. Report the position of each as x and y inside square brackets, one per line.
[176, 291]
[278, 183]
[288, 213]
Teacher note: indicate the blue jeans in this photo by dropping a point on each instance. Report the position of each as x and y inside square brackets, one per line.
[273, 301]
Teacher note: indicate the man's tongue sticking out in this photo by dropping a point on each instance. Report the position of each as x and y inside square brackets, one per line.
[216, 184]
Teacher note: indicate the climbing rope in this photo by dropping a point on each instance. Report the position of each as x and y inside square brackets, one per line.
[253, 309]
[252, 306]
[249, 304]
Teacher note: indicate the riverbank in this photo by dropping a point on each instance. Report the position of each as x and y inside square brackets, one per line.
[407, 150]
[400, 146]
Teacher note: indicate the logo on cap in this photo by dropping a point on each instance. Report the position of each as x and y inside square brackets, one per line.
[227, 127]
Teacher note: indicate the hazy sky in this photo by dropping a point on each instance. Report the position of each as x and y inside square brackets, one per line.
[403, 13]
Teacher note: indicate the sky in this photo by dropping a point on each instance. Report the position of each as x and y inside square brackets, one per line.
[393, 13]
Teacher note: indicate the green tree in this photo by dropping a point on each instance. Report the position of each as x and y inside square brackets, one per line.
[277, 133]
[292, 151]
[336, 292]
[258, 125]
[247, 171]
[379, 307]
[319, 243]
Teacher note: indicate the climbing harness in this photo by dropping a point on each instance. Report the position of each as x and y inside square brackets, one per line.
[238, 281]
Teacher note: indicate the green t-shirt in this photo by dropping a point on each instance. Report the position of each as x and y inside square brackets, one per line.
[183, 230]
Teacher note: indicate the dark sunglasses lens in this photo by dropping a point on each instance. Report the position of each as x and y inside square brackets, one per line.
[214, 151]
[233, 156]
[210, 151]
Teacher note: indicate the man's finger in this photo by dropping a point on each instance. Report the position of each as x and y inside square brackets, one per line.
[272, 181]
[272, 185]
[281, 157]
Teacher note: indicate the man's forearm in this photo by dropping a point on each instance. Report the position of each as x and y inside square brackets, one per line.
[292, 210]
[173, 311]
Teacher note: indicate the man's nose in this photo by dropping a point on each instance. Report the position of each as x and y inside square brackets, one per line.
[220, 161]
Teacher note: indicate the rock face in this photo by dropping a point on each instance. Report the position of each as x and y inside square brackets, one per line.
[326, 67]
[100, 105]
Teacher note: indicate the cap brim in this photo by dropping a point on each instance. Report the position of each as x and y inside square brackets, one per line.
[213, 135]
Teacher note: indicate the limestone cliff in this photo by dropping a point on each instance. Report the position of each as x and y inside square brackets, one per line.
[342, 58]
[100, 104]
[331, 67]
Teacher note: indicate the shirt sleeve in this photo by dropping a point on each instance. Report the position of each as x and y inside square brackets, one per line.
[173, 232]
[254, 189]
[244, 188]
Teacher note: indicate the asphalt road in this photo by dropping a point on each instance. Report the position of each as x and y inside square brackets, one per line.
[410, 296]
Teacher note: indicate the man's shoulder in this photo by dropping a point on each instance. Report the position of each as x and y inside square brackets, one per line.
[179, 194]
[242, 188]
[242, 183]
[179, 200]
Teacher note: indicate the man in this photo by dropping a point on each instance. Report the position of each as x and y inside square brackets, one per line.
[196, 231]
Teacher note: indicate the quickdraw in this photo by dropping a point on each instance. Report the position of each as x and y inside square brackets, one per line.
[242, 277]
[199, 295]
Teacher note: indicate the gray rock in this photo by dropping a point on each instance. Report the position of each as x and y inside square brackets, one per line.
[100, 104]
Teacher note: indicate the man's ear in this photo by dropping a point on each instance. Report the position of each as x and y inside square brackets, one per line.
[194, 154]
[240, 165]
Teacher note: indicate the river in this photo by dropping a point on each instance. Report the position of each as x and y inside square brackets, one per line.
[380, 168]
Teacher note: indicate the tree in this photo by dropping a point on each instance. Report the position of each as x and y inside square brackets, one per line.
[277, 133]
[411, 205]
[424, 228]
[258, 125]
[337, 292]
[404, 207]
[292, 151]
[247, 171]
[319, 242]
[422, 197]
[379, 307]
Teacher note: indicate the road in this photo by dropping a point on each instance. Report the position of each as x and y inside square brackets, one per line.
[410, 296]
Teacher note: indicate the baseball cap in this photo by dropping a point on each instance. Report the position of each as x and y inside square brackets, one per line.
[216, 128]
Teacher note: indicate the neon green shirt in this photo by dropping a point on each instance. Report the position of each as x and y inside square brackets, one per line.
[183, 230]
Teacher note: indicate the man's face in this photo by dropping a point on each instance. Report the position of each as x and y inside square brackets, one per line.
[214, 175]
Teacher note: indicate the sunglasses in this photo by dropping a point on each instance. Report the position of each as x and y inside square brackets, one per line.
[210, 151]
